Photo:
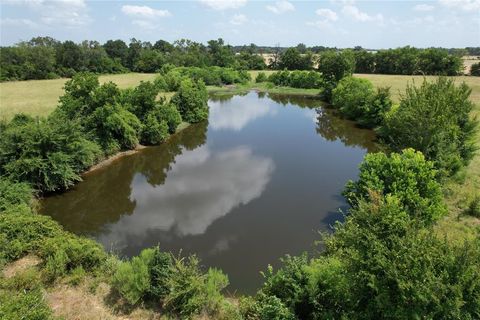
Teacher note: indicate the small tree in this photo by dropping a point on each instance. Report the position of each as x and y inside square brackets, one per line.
[334, 66]
[191, 100]
[406, 176]
[475, 69]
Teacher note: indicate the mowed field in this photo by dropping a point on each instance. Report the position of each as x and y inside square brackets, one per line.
[40, 97]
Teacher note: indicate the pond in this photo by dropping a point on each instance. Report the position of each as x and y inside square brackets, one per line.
[256, 182]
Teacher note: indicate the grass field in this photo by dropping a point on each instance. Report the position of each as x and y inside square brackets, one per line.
[40, 97]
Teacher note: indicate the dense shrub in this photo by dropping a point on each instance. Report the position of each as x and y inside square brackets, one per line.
[24, 304]
[142, 99]
[191, 100]
[297, 79]
[473, 208]
[475, 69]
[132, 278]
[47, 153]
[154, 131]
[406, 176]
[15, 197]
[168, 113]
[25, 233]
[434, 119]
[261, 77]
[357, 99]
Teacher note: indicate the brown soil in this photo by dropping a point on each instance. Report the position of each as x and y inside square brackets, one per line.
[20, 265]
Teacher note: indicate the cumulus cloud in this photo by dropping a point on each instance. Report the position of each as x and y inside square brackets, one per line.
[66, 13]
[18, 23]
[238, 19]
[201, 187]
[144, 12]
[280, 7]
[223, 4]
[423, 7]
[466, 5]
[327, 14]
[355, 13]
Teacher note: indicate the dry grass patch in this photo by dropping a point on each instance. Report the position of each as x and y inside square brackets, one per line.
[20, 265]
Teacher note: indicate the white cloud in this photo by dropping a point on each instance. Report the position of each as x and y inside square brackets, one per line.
[423, 7]
[238, 19]
[223, 4]
[18, 23]
[65, 13]
[466, 5]
[327, 14]
[144, 12]
[145, 24]
[280, 7]
[355, 13]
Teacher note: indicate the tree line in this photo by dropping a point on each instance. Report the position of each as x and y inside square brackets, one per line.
[47, 58]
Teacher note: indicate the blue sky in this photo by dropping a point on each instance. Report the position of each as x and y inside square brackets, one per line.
[341, 23]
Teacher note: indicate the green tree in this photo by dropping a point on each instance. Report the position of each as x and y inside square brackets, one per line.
[191, 100]
[434, 118]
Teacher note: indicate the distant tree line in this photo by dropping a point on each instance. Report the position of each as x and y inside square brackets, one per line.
[47, 58]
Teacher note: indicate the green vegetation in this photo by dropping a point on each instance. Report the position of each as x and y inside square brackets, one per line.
[356, 99]
[334, 66]
[475, 69]
[296, 79]
[434, 119]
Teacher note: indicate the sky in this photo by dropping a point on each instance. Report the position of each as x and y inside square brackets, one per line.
[339, 23]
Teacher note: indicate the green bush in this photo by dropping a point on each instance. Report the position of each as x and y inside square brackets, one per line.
[132, 278]
[473, 208]
[153, 131]
[23, 304]
[297, 79]
[272, 308]
[142, 99]
[191, 101]
[434, 119]
[475, 69]
[261, 77]
[161, 269]
[15, 197]
[356, 99]
[25, 233]
[168, 113]
[289, 284]
[115, 128]
[406, 176]
[47, 153]
[334, 66]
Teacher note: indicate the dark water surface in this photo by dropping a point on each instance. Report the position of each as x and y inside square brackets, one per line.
[255, 183]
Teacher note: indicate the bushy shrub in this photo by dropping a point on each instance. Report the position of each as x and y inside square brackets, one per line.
[357, 99]
[475, 69]
[406, 176]
[297, 79]
[153, 131]
[132, 278]
[161, 269]
[434, 119]
[289, 284]
[168, 113]
[15, 197]
[191, 101]
[25, 233]
[115, 128]
[142, 99]
[334, 66]
[47, 153]
[473, 208]
[272, 308]
[23, 304]
[261, 77]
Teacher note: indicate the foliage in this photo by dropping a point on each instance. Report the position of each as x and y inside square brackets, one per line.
[261, 77]
[132, 278]
[473, 208]
[169, 113]
[334, 66]
[434, 119]
[292, 59]
[297, 79]
[475, 69]
[191, 101]
[154, 131]
[25, 233]
[406, 176]
[356, 99]
[15, 197]
[24, 304]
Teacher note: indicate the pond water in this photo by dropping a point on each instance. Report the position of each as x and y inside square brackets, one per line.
[255, 183]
